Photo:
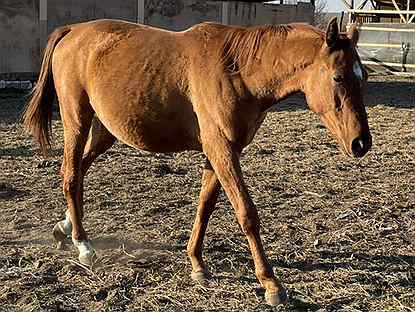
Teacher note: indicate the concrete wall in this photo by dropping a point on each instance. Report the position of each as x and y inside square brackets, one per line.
[252, 14]
[64, 12]
[19, 36]
[25, 24]
[392, 50]
[181, 14]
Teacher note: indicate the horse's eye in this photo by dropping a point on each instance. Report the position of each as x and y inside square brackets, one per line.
[338, 79]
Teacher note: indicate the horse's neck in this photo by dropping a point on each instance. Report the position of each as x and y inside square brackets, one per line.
[285, 81]
[289, 86]
[281, 76]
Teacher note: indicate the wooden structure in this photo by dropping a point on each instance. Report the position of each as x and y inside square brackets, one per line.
[387, 28]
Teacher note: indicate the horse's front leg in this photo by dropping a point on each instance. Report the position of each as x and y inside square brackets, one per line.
[225, 161]
[207, 200]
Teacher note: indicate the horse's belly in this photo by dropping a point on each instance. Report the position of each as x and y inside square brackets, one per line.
[159, 137]
[152, 127]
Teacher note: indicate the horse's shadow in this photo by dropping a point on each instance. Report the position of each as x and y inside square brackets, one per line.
[329, 261]
[8, 192]
[27, 151]
[19, 151]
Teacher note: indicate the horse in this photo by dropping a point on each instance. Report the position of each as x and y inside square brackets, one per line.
[207, 89]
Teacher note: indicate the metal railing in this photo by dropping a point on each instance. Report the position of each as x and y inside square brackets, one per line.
[368, 11]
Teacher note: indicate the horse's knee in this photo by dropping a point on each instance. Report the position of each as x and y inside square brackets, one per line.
[70, 185]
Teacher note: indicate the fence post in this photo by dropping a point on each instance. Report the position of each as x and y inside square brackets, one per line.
[43, 22]
[141, 11]
[225, 13]
[43, 27]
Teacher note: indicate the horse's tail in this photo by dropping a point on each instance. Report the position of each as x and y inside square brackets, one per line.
[37, 117]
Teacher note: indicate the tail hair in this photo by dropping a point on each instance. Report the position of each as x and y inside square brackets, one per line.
[37, 117]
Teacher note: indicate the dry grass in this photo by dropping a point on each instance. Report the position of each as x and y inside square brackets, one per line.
[339, 232]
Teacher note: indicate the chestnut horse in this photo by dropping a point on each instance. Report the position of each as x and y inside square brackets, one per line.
[207, 89]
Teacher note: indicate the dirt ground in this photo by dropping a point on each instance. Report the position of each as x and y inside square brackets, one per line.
[339, 232]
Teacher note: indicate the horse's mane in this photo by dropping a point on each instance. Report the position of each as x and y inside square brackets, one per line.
[241, 45]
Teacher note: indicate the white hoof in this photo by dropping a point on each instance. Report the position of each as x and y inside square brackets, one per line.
[87, 254]
[201, 276]
[274, 299]
[61, 231]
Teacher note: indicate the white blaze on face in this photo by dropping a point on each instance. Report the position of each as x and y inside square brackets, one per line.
[357, 69]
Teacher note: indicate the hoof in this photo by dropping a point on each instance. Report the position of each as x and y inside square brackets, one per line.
[87, 254]
[274, 299]
[60, 245]
[200, 276]
[59, 236]
[88, 258]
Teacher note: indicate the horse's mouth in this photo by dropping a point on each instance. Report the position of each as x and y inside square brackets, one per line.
[345, 150]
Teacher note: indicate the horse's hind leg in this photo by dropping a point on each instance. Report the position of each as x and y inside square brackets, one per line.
[207, 200]
[99, 141]
[76, 115]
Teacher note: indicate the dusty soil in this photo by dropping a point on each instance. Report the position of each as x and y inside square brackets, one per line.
[339, 232]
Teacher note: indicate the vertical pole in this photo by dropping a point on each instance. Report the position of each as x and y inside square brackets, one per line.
[351, 18]
[408, 6]
[43, 26]
[398, 9]
[141, 11]
[225, 13]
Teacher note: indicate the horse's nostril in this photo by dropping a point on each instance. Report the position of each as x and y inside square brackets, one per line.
[360, 147]
[360, 143]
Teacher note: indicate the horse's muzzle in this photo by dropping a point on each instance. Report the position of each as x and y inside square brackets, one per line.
[361, 145]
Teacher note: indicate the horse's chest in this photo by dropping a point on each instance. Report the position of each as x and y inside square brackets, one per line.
[241, 127]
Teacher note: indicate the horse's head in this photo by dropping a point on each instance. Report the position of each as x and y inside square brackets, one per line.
[334, 90]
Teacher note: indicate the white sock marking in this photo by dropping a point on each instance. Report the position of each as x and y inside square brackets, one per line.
[67, 225]
[84, 247]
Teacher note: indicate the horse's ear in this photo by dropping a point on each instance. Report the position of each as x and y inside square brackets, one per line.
[332, 33]
[353, 34]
